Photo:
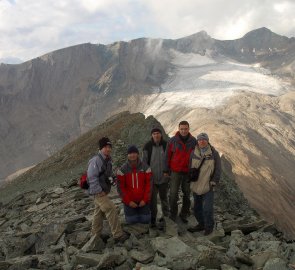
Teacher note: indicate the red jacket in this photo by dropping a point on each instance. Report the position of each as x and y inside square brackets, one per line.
[177, 155]
[135, 182]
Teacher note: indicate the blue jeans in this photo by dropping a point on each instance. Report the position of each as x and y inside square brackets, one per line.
[203, 209]
[137, 215]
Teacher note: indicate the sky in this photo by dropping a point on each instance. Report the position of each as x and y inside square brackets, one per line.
[30, 28]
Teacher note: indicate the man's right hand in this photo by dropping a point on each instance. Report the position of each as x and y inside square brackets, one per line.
[133, 204]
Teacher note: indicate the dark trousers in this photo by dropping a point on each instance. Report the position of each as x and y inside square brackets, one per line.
[162, 190]
[179, 180]
[203, 209]
[137, 215]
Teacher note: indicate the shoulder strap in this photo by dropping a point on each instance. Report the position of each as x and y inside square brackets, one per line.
[104, 163]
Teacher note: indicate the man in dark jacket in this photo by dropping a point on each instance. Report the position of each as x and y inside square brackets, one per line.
[154, 156]
[98, 173]
[177, 158]
[203, 186]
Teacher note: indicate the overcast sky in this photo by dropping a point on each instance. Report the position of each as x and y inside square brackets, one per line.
[30, 28]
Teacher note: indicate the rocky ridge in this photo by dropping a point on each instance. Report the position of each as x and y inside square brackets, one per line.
[37, 233]
[47, 224]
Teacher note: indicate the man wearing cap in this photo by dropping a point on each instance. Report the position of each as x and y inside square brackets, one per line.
[98, 173]
[154, 155]
[177, 158]
[207, 160]
[134, 183]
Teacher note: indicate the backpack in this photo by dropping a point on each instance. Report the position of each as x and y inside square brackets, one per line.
[83, 183]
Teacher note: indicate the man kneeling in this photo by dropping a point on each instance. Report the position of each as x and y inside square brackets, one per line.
[135, 188]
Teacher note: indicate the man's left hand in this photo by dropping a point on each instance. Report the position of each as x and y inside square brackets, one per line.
[142, 203]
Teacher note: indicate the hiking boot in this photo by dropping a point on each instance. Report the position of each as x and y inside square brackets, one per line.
[197, 228]
[183, 219]
[122, 238]
[208, 231]
[153, 225]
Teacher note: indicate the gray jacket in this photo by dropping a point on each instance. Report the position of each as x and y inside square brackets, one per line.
[98, 173]
[155, 159]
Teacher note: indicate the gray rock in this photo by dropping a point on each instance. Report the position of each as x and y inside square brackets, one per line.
[245, 259]
[275, 264]
[72, 250]
[94, 244]
[227, 267]
[261, 258]
[91, 259]
[141, 256]
[59, 191]
[136, 229]
[252, 245]
[16, 247]
[39, 207]
[110, 259]
[210, 258]
[160, 261]
[215, 236]
[173, 248]
[78, 239]
[49, 236]
[275, 246]
[2, 221]
[153, 267]
[4, 265]
[46, 260]
[25, 262]
[171, 228]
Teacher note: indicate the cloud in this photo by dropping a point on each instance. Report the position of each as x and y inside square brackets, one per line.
[31, 28]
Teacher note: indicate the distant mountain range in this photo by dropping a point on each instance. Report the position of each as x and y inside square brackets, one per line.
[239, 91]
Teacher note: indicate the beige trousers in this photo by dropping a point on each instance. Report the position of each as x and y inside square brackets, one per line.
[105, 207]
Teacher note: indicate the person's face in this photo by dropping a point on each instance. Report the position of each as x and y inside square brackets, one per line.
[183, 130]
[202, 143]
[156, 136]
[107, 150]
[132, 156]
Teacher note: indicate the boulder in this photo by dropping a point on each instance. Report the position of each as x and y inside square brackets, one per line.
[276, 264]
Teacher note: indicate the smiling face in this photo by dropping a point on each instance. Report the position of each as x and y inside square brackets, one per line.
[202, 143]
[183, 130]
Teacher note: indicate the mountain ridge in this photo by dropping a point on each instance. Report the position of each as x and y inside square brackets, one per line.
[51, 100]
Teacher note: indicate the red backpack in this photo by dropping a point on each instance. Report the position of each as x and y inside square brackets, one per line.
[84, 181]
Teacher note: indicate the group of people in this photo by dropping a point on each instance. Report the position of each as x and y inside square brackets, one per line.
[163, 168]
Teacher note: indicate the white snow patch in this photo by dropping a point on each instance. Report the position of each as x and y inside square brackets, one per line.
[201, 81]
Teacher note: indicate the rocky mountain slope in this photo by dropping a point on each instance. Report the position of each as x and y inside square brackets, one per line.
[37, 233]
[71, 161]
[50, 100]
[240, 91]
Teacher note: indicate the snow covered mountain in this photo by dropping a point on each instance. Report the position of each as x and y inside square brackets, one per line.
[239, 91]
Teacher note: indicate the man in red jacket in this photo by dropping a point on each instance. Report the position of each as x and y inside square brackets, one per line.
[135, 188]
[178, 151]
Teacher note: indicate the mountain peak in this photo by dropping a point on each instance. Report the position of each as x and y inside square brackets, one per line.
[262, 32]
